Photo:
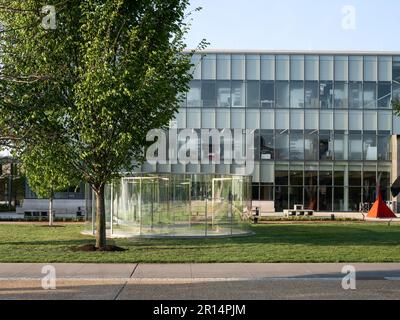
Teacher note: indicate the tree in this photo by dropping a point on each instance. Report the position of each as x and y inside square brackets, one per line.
[94, 86]
[45, 176]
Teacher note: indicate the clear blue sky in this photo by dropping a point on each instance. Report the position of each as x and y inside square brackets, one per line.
[297, 24]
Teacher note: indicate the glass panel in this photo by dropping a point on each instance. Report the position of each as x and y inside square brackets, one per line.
[355, 177]
[341, 120]
[208, 94]
[194, 94]
[297, 120]
[369, 177]
[297, 94]
[325, 198]
[297, 67]
[238, 93]
[396, 69]
[310, 197]
[253, 67]
[311, 119]
[311, 176]
[282, 119]
[282, 94]
[253, 94]
[354, 199]
[339, 177]
[325, 178]
[355, 147]
[341, 95]
[267, 67]
[355, 95]
[384, 177]
[370, 120]
[296, 178]
[266, 193]
[209, 67]
[338, 199]
[281, 198]
[385, 69]
[370, 68]
[340, 146]
[255, 191]
[384, 148]
[311, 94]
[370, 147]
[282, 67]
[355, 120]
[195, 70]
[311, 67]
[223, 67]
[325, 147]
[356, 68]
[238, 67]
[311, 147]
[267, 94]
[326, 68]
[281, 177]
[384, 95]
[223, 93]
[341, 68]
[326, 94]
[282, 147]
[267, 148]
[296, 196]
[296, 146]
[370, 95]
[326, 120]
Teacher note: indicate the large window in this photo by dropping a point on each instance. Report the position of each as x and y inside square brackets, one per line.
[370, 95]
[194, 94]
[370, 147]
[238, 94]
[326, 94]
[341, 94]
[355, 147]
[311, 97]
[384, 148]
[253, 94]
[224, 94]
[267, 92]
[396, 69]
[282, 94]
[325, 146]
[384, 95]
[208, 94]
[355, 95]
[267, 148]
[282, 146]
[297, 94]
[340, 146]
[311, 146]
[296, 146]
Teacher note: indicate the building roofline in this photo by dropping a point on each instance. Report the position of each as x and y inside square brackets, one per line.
[300, 52]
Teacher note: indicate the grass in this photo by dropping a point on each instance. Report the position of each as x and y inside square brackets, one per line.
[325, 242]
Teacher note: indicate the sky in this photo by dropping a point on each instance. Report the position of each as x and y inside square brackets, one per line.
[361, 25]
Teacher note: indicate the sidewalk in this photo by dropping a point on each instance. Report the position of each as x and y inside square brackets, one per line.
[199, 281]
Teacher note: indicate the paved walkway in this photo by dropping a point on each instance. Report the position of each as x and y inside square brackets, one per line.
[199, 281]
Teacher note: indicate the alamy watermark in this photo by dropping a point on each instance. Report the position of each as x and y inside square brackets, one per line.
[49, 280]
[49, 21]
[349, 17]
[349, 281]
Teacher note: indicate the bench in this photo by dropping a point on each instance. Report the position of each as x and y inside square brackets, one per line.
[298, 211]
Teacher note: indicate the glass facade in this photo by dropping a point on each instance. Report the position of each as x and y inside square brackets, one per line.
[323, 123]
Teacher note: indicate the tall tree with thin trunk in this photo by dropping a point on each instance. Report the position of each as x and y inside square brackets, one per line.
[92, 78]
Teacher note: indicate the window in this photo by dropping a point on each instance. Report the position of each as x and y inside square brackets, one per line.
[325, 146]
[253, 67]
[266, 193]
[325, 198]
[223, 94]
[370, 68]
[267, 67]
[355, 95]
[326, 94]
[238, 93]
[384, 95]
[339, 177]
[253, 94]
[282, 67]
[384, 68]
[296, 196]
[396, 69]
[369, 177]
[282, 94]
[208, 94]
[194, 94]
[267, 94]
[296, 146]
[311, 68]
[297, 67]
[341, 95]
[326, 68]
[370, 95]
[296, 178]
[355, 176]
[281, 177]
[238, 67]
[311, 147]
[355, 147]
[356, 68]
[341, 68]
[267, 148]
[340, 146]
[325, 178]
[208, 68]
[370, 147]
[311, 94]
[296, 94]
[384, 148]
[282, 146]
[223, 67]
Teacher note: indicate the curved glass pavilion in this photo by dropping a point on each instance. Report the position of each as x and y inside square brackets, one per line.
[175, 205]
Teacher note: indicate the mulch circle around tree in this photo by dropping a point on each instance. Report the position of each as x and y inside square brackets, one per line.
[92, 248]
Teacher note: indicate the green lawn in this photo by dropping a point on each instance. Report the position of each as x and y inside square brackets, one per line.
[329, 242]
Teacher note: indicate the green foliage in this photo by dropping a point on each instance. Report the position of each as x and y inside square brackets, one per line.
[95, 85]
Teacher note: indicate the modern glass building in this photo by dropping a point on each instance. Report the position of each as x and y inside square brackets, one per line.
[325, 131]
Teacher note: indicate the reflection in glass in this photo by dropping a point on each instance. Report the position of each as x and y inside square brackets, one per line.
[338, 199]
[384, 148]
[370, 147]
[208, 94]
[355, 147]
[282, 94]
[341, 95]
[267, 149]
[281, 177]
[266, 193]
[194, 94]
[253, 94]
[281, 198]
[384, 95]
[311, 94]
[325, 198]
[224, 94]
[267, 92]
[311, 147]
[396, 69]
[296, 196]
[296, 146]
[282, 146]
[354, 198]
[296, 178]
[370, 95]
[326, 94]
[355, 95]
[238, 94]
[325, 147]
[297, 94]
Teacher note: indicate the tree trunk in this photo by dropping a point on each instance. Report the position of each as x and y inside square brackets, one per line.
[101, 239]
[51, 211]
